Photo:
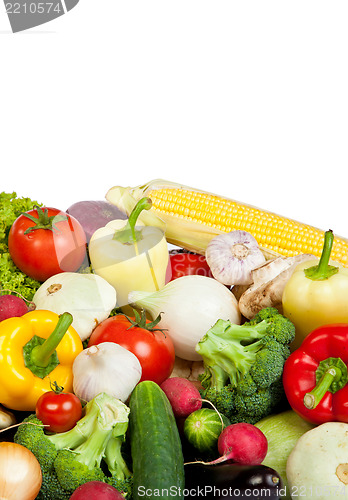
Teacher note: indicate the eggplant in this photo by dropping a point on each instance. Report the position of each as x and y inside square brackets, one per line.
[227, 480]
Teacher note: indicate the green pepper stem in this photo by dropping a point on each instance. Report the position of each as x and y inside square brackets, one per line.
[331, 375]
[41, 354]
[323, 270]
[128, 234]
[313, 398]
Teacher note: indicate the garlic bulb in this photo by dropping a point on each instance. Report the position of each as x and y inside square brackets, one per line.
[105, 367]
[232, 256]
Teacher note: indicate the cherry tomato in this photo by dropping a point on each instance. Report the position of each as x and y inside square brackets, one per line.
[184, 263]
[58, 410]
[154, 349]
[45, 241]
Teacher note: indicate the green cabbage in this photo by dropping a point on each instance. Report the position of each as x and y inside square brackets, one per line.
[282, 431]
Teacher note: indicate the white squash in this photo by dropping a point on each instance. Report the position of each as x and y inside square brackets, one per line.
[317, 466]
[88, 297]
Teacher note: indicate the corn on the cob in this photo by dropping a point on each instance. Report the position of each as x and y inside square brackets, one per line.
[192, 218]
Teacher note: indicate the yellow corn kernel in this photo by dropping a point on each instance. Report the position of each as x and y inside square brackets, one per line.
[272, 232]
[191, 219]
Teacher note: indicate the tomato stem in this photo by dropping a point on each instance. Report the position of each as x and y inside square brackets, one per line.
[43, 221]
[141, 322]
[57, 389]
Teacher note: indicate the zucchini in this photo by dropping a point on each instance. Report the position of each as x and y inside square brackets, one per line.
[157, 457]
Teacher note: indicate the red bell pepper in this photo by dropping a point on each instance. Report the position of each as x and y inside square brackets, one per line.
[315, 375]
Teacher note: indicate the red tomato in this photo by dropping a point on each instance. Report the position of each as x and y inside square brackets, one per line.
[45, 241]
[154, 349]
[58, 410]
[184, 263]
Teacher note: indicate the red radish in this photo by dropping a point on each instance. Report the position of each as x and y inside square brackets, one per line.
[183, 395]
[242, 443]
[12, 306]
[96, 490]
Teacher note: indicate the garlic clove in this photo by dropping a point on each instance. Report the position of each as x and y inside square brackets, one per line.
[233, 256]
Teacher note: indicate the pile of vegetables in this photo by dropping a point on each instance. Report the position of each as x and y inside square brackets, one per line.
[130, 369]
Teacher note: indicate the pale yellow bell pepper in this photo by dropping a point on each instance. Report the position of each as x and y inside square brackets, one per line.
[316, 294]
[128, 257]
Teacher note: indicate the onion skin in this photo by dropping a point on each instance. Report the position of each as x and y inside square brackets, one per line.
[200, 300]
[20, 473]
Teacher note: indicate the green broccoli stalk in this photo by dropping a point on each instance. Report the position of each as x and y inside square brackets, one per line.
[74, 457]
[114, 459]
[121, 477]
[243, 364]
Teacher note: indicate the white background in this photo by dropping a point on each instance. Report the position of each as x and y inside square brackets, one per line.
[245, 99]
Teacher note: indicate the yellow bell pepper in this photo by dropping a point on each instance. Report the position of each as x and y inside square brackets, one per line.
[129, 257]
[36, 349]
[316, 294]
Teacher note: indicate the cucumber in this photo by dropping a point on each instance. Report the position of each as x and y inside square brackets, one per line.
[203, 427]
[157, 457]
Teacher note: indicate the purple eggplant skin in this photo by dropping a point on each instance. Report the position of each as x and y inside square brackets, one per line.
[227, 481]
[93, 214]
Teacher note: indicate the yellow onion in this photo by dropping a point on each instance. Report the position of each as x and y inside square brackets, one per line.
[20, 473]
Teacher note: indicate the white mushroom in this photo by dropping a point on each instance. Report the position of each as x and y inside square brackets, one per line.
[269, 281]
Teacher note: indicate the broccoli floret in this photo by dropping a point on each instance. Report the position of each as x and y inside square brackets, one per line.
[267, 367]
[31, 434]
[247, 385]
[278, 327]
[51, 484]
[71, 458]
[251, 408]
[125, 486]
[243, 364]
[222, 399]
[71, 473]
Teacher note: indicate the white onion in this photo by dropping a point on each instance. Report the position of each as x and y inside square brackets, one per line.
[190, 305]
[105, 367]
[20, 473]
